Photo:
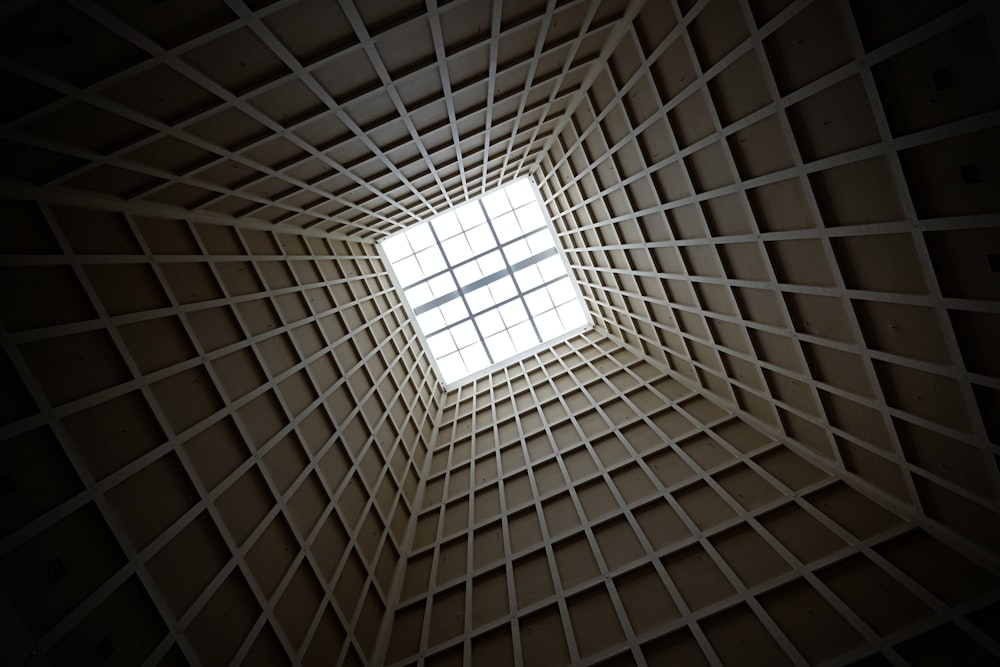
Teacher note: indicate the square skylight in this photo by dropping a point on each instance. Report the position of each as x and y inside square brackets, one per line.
[486, 282]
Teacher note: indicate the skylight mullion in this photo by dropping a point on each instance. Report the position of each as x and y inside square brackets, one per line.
[475, 314]
[509, 269]
[521, 264]
[484, 281]
[465, 301]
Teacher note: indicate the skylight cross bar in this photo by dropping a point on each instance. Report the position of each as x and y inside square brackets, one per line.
[484, 281]
[474, 258]
[509, 269]
[461, 295]
[547, 283]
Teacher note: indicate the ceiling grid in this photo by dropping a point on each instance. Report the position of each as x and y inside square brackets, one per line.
[224, 442]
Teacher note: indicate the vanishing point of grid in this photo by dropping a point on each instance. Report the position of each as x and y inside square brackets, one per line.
[486, 281]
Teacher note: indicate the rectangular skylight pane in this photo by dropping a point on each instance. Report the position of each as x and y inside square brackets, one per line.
[507, 227]
[470, 215]
[418, 295]
[513, 313]
[523, 335]
[463, 260]
[551, 268]
[457, 249]
[441, 285]
[446, 225]
[481, 298]
[431, 261]
[528, 278]
[503, 289]
[454, 311]
[475, 356]
[452, 367]
[520, 192]
[396, 248]
[496, 204]
[491, 263]
[481, 239]
[408, 270]
[538, 301]
[431, 320]
[572, 315]
[468, 273]
[500, 345]
[517, 251]
[548, 322]
[541, 241]
[441, 344]
[489, 322]
[420, 237]
[464, 334]
[530, 217]
[561, 292]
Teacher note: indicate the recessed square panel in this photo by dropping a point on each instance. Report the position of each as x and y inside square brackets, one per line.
[486, 282]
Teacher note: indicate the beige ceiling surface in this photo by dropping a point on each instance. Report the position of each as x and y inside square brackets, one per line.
[784, 219]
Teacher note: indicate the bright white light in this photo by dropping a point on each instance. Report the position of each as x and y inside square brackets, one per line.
[454, 275]
[481, 239]
[420, 237]
[530, 217]
[420, 294]
[396, 248]
[446, 225]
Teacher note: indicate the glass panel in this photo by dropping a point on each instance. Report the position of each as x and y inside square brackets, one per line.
[506, 227]
[530, 217]
[523, 335]
[431, 320]
[418, 295]
[431, 261]
[528, 278]
[552, 267]
[520, 192]
[572, 315]
[420, 236]
[503, 289]
[408, 271]
[464, 334]
[470, 215]
[481, 299]
[457, 249]
[513, 313]
[441, 344]
[538, 301]
[468, 273]
[481, 239]
[453, 311]
[549, 324]
[446, 225]
[452, 367]
[496, 203]
[517, 251]
[561, 291]
[500, 345]
[475, 356]
[441, 285]
[491, 263]
[541, 241]
[396, 248]
[489, 322]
